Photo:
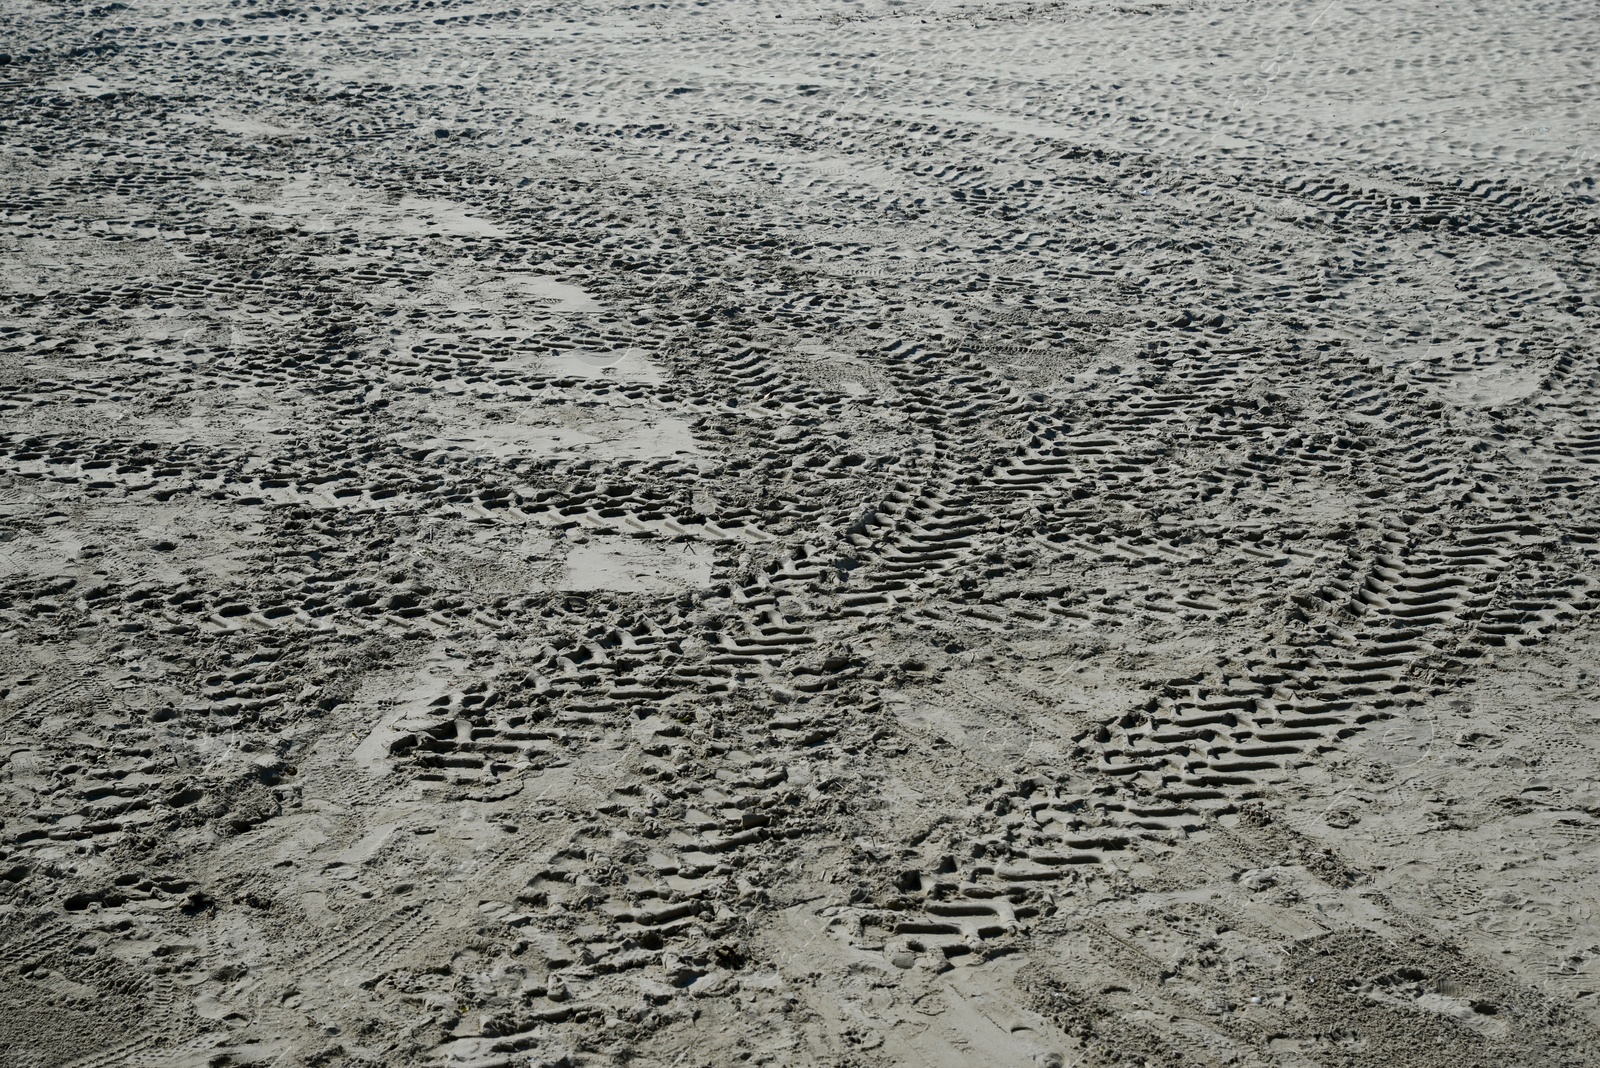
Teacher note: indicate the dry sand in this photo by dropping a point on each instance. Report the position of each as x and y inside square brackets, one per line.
[806, 533]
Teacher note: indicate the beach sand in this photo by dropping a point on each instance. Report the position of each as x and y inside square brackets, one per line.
[806, 533]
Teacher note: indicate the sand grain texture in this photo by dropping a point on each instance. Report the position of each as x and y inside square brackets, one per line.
[895, 533]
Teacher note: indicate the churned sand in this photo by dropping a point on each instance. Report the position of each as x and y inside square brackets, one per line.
[807, 533]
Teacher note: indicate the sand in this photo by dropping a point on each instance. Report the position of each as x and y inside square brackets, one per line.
[806, 533]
